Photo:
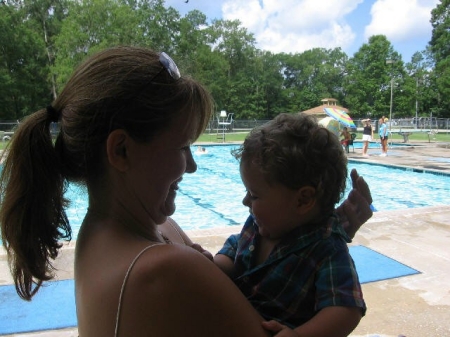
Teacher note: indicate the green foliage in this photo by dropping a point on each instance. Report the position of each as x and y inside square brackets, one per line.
[368, 78]
[23, 69]
[440, 51]
[44, 40]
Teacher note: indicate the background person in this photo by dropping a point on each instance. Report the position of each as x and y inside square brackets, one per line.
[383, 133]
[347, 137]
[127, 120]
[201, 150]
[367, 135]
[291, 258]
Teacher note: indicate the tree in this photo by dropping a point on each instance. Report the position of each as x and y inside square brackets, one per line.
[23, 67]
[45, 17]
[237, 48]
[369, 76]
[311, 76]
[44, 40]
[440, 50]
[92, 25]
[156, 26]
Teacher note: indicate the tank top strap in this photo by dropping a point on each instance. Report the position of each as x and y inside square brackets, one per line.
[116, 330]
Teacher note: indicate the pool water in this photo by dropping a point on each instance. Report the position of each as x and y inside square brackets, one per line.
[358, 144]
[212, 196]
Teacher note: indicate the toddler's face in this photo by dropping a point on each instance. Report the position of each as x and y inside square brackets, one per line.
[273, 206]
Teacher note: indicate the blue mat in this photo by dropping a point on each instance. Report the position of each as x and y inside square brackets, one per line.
[53, 307]
[373, 266]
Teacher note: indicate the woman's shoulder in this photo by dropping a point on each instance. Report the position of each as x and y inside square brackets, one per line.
[169, 268]
[166, 258]
[179, 291]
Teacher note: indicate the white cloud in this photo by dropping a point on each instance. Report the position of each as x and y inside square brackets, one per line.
[298, 25]
[294, 25]
[400, 20]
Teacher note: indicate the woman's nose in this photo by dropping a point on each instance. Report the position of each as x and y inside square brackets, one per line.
[191, 165]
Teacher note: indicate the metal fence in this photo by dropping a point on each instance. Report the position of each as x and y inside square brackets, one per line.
[421, 123]
[243, 125]
[425, 123]
[8, 126]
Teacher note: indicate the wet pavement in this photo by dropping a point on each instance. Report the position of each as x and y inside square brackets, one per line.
[419, 156]
[412, 306]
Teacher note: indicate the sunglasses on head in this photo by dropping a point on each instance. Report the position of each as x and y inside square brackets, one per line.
[169, 65]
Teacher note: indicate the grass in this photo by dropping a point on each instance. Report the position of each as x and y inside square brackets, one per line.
[237, 137]
[240, 136]
[229, 137]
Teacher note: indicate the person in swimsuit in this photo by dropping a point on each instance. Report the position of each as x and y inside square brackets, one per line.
[367, 136]
[127, 120]
[347, 138]
[291, 258]
[383, 133]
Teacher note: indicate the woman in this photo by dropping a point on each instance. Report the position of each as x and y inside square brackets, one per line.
[382, 132]
[367, 136]
[127, 121]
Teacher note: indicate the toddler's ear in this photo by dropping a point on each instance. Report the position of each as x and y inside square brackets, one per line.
[306, 198]
[116, 149]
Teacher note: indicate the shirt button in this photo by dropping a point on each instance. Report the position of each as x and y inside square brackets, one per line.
[251, 248]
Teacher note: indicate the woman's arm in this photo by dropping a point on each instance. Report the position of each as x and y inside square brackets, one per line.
[330, 321]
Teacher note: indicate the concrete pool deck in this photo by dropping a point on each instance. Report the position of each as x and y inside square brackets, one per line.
[413, 306]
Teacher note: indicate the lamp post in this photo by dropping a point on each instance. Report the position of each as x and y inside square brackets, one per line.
[417, 103]
[392, 96]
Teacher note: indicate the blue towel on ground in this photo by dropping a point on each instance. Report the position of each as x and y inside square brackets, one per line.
[53, 307]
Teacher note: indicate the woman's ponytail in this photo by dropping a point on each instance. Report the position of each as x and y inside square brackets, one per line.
[32, 211]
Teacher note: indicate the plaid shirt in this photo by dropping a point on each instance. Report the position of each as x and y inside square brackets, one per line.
[304, 273]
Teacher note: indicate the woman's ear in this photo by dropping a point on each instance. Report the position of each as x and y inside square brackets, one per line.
[306, 199]
[116, 149]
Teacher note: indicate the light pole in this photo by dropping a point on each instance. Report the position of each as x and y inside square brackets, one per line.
[417, 103]
[392, 96]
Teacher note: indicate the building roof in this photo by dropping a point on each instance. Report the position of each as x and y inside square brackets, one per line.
[318, 111]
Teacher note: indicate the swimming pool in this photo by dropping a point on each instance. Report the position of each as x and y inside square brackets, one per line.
[358, 144]
[212, 196]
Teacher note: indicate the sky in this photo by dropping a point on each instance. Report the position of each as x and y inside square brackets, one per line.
[293, 26]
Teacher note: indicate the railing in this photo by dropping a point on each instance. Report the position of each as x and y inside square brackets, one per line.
[422, 123]
[441, 125]
[8, 126]
[234, 126]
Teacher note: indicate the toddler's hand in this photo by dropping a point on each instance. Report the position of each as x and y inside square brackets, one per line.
[200, 249]
[279, 329]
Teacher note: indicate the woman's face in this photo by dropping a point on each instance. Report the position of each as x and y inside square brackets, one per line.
[156, 169]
